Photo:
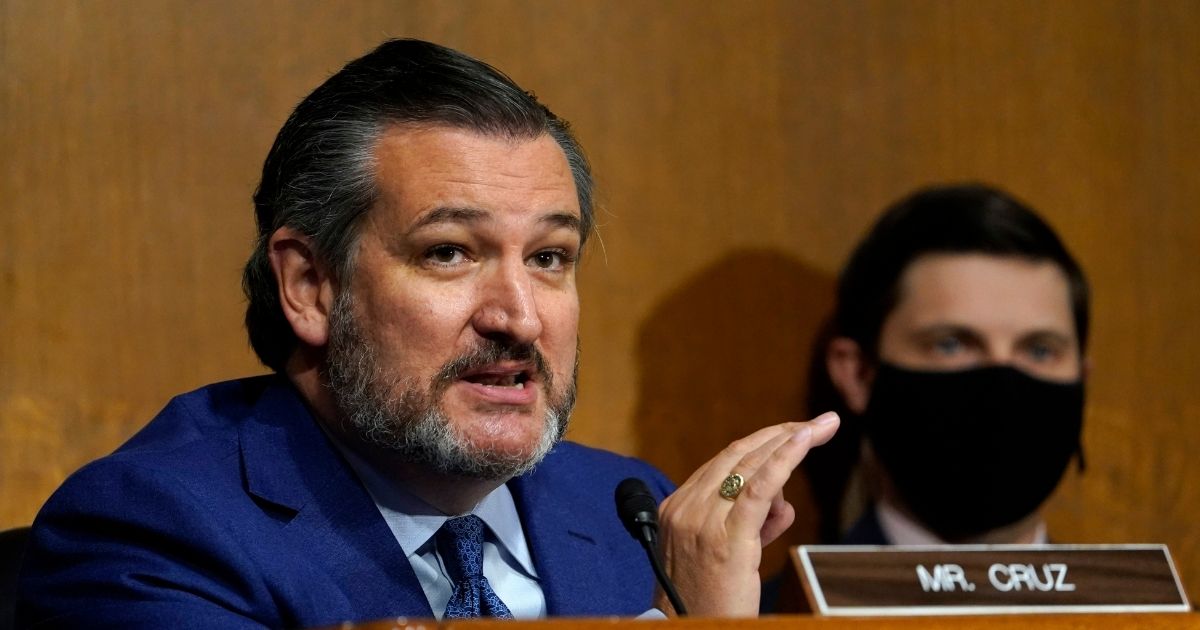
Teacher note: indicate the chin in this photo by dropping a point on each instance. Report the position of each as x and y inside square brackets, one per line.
[506, 435]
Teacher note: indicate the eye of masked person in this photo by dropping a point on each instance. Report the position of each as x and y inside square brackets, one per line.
[1045, 354]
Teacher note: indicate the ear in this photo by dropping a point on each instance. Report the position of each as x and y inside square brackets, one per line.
[850, 372]
[1085, 368]
[306, 286]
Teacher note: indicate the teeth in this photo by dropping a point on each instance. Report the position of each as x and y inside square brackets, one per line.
[502, 381]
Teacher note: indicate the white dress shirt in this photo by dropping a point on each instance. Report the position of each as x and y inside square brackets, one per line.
[507, 563]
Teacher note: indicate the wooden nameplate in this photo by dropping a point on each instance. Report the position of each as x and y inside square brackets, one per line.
[988, 579]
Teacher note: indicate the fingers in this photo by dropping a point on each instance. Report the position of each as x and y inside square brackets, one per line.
[747, 455]
[716, 469]
[779, 519]
[824, 426]
[749, 512]
[750, 463]
[757, 448]
[701, 487]
[713, 547]
[796, 439]
[765, 459]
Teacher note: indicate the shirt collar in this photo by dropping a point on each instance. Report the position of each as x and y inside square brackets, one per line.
[414, 522]
[899, 529]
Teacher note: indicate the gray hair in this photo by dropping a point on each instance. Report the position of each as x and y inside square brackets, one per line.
[319, 175]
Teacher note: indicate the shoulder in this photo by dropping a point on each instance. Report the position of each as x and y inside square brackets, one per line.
[210, 413]
[200, 453]
[587, 468]
[175, 504]
[185, 461]
[192, 443]
[131, 514]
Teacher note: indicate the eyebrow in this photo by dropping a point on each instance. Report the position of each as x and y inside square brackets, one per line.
[942, 329]
[448, 215]
[562, 220]
[475, 215]
[1048, 334]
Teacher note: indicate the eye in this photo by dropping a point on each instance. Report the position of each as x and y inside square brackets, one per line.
[445, 255]
[551, 259]
[1042, 352]
[948, 346]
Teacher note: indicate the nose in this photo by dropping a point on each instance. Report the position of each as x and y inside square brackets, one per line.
[1000, 354]
[507, 306]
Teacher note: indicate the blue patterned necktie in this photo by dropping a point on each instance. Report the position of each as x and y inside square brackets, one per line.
[460, 542]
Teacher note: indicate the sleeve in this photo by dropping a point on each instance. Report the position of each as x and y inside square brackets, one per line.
[123, 546]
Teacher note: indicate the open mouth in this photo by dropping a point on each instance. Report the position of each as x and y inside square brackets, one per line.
[515, 379]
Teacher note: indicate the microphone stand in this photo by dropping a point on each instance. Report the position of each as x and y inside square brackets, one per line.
[649, 540]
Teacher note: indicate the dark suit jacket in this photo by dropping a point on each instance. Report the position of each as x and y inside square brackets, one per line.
[232, 509]
[866, 530]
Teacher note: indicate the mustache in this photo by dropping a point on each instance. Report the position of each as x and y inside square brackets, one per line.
[491, 351]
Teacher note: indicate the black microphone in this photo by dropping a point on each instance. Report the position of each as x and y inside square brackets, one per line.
[638, 510]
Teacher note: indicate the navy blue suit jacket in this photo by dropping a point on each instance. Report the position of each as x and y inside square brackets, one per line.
[232, 509]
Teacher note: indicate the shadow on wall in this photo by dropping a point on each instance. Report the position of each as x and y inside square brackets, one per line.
[724, 355]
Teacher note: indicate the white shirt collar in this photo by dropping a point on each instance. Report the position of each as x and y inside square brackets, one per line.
[414, 522]
[900, 529]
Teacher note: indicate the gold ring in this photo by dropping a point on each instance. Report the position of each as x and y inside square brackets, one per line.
[732, 486]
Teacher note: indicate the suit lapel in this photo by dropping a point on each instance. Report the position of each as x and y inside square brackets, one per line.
[574, 568]
[289, 463]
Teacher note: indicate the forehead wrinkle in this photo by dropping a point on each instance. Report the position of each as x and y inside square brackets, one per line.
[449, 215]
[510, 180]
[463, 215]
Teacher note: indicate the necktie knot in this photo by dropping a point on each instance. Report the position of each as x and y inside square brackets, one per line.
[460, 543]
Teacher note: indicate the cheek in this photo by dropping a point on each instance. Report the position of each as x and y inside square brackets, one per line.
[958, 361]
[560, 331]
[1059, 370]
[416, 323]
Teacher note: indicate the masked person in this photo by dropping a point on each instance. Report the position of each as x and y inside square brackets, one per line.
[957, 345]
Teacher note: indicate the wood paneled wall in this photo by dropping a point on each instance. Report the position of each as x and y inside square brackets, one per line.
[741, 149]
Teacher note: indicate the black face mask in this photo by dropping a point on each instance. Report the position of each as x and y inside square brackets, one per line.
[973, 450]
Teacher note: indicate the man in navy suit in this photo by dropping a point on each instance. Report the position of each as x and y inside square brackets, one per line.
[420, 219]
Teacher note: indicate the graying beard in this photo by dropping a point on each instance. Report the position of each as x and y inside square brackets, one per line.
[412, 425]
